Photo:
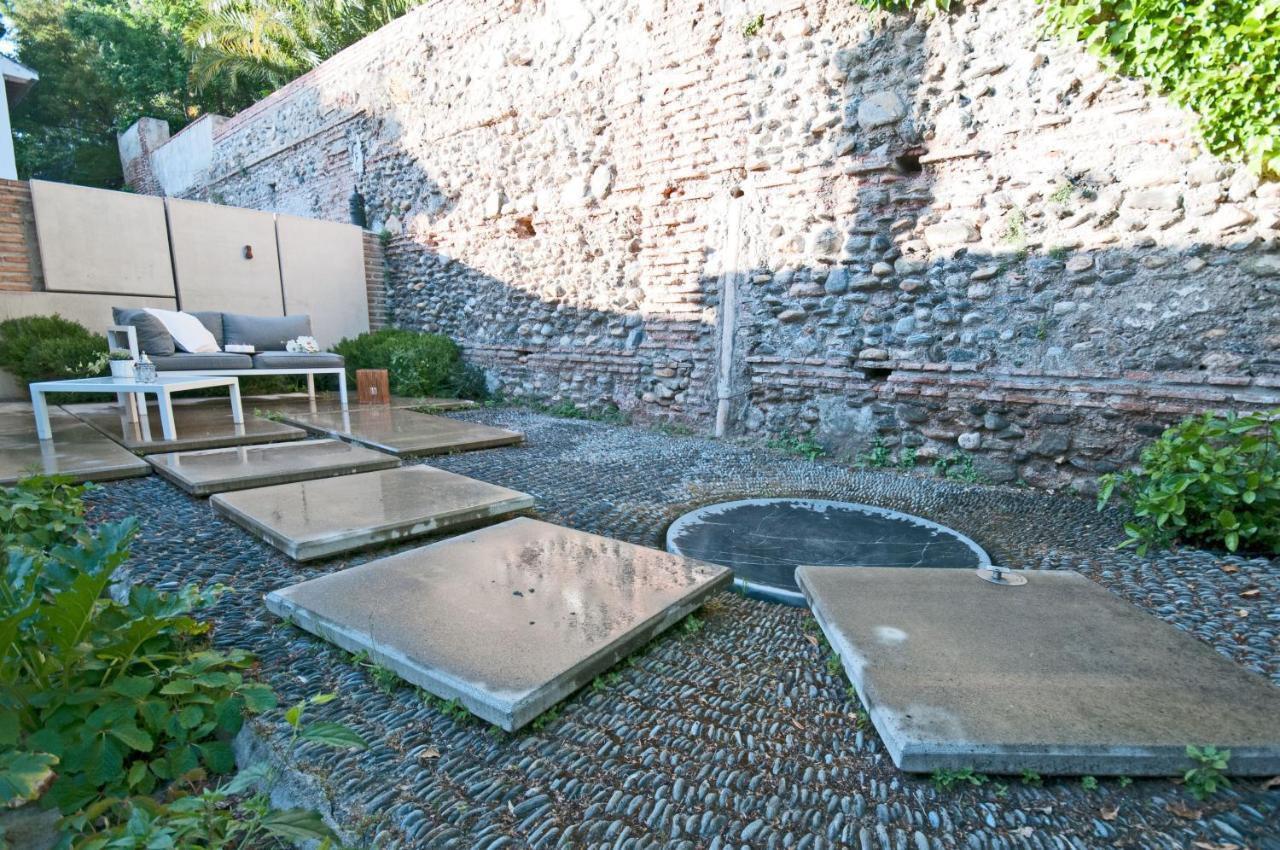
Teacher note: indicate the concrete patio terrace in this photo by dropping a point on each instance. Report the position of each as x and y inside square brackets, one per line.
[736, 734]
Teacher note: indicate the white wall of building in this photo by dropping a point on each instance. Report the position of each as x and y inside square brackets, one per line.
[17, 79]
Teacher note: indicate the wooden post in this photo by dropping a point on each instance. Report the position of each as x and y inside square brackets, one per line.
[373, 386]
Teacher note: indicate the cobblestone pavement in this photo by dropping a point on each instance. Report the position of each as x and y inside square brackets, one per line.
[735, 735]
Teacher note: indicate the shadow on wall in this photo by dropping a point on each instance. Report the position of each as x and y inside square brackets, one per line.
[895, 276]
[988, 315]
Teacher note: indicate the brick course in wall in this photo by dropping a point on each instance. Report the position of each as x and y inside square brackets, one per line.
[19, 255]
[939, 234]
[375, 280]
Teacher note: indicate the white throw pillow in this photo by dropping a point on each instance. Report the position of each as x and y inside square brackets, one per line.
[188, 333]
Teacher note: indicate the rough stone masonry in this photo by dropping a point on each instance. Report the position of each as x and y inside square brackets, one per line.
[934, 234]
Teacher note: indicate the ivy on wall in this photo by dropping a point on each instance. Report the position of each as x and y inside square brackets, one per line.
[1219, 58]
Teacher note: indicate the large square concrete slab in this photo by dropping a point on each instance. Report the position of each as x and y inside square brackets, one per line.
[330, 403]
[1055, 676]
[508, 620]
[76, 451]
[403, 432]
[203, 424]
[314, 519]
[245, 467]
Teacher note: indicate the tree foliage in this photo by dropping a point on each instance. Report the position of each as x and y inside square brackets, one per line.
[105, 63]
[259, 45]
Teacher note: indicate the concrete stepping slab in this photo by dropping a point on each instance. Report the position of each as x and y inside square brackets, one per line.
[405, 433]
[329, 403]
[208, 471]
[1057, 676]
[205, 424]
[315, 519]
[508, 620]
[76, 450]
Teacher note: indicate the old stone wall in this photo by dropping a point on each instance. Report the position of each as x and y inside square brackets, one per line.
[933, 235]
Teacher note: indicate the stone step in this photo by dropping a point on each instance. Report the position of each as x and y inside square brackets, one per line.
[404, 433]
[199, 423]
[202, 473]
[508, 620]
[1056, 676]
[316, 519]
[329, 403]
[76, 450]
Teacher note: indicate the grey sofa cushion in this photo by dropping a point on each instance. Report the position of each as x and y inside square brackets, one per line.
[212, 323]
[183, 361]
[264, 333]
[153, 337]
[289, 360]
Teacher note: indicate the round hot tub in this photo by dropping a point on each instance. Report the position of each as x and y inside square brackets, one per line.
[764, 540]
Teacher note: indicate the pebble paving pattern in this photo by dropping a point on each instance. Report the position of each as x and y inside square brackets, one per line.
[731, 736]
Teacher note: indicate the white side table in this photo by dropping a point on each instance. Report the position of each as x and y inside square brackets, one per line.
[128, 388]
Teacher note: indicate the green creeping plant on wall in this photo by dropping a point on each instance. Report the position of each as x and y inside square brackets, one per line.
[1218, 58]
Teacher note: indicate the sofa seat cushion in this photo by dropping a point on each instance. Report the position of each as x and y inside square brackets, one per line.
[290, 360]
[264, 333]
[183, 362]
[153, 336]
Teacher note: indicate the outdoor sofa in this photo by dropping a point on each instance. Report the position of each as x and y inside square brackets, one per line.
[140, 331]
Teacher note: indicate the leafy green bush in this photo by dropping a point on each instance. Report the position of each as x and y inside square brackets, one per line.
[1208, 480]
[419, 364]
[126, 695]
[227, 816]
[1209, 774]
[40, 511]
[904, 5]
[50, 348]
[109, 706]
[1219, 59]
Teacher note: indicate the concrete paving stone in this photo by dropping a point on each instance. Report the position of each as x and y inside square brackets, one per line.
[1057, 676]
[329, 403]
[746, 702]
[76, 450]
[508, 620]
[202, 473]
[200, 424]
[315, 519]
[403, 432]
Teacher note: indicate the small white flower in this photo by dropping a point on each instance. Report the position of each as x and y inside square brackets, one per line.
[302, 345]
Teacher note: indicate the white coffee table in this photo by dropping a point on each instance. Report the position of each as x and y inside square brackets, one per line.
[128, 390]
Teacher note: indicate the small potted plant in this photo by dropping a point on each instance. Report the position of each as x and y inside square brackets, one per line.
[121, 364]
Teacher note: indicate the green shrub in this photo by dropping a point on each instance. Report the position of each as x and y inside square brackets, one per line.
[958, 467]
[126, 695]
[117, 711]
[230, 816]
[800, 445]
[40, 511]
[50, 348]
[419, 364]
[1219, 59]
[905, 5]
[1208, 480]
[1209, 774]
